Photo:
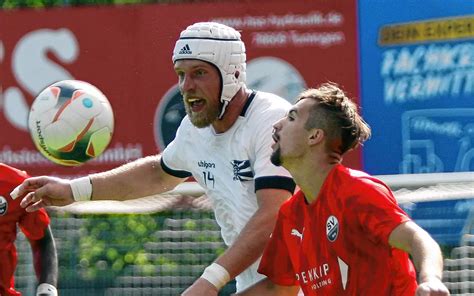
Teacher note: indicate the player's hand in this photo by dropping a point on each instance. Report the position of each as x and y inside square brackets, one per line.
[201, 287]
[43, 191]
[432, 287]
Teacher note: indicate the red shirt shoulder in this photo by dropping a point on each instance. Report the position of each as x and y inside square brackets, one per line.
[11, 176]
[288, 207]
[353, 182]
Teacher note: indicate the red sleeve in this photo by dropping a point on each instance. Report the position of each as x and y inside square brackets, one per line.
[377, 211]
[33, 224]
[276, 263]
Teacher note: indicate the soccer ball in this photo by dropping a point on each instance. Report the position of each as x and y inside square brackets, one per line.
[71, 122]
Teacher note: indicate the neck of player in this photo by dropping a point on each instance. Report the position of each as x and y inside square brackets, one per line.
[310, 172]
[232, 112]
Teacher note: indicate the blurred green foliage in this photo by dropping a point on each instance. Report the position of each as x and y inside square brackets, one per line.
[109, 244]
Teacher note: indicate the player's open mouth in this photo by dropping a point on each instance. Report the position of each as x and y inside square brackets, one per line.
[196, 104]
[275, 137]
[275, 140]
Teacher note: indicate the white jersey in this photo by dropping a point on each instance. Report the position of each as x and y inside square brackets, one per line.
[232, 165]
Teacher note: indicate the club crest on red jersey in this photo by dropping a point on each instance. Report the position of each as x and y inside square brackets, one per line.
[3, 205]
[332, 228]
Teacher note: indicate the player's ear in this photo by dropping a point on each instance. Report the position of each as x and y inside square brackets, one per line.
[315, 136]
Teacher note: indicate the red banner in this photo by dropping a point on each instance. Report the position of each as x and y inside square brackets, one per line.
[126, 52]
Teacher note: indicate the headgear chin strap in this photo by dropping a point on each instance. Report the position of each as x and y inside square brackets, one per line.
[219, 45]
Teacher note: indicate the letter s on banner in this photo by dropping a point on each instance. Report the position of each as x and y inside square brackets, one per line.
[34, 71]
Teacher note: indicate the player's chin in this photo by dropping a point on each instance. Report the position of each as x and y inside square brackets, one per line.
[275, 158]
[200, 122]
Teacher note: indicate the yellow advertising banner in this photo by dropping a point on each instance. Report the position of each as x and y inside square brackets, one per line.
[427, 31]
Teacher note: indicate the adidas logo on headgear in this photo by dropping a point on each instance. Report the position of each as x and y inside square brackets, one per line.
[185, 50]
[219, 45]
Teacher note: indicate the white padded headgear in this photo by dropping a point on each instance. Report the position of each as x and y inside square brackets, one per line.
[219, 45]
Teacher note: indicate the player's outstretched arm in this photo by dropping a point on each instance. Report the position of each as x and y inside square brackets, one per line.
[45, 263]
[267, 288]
[136, 179]
[426, 255]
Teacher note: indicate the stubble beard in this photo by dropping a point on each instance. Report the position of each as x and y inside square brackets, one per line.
[275, 158]
[204, 118]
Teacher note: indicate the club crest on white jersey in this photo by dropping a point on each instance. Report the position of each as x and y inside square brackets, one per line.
[242, 170]
[332, 228]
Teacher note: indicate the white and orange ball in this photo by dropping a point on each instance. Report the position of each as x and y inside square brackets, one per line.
[71, 122]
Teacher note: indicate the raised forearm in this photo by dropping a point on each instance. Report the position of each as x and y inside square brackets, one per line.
[251, 242]
[249, 245]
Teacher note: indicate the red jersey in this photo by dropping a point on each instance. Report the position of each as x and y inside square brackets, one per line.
[32, 225]
[338, 245]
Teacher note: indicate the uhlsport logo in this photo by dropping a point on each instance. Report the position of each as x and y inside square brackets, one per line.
[3, 205]
[185, 50]
[332, 228]
[206, 165]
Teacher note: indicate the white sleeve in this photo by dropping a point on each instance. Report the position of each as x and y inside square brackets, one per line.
[173, 157]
